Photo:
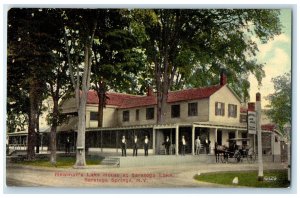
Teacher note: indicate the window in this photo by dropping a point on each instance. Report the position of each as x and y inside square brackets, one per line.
[193, 109]
[137, 115]
[175, 111]
[125, 116]
[150, 113]
[219, 109]
[94, 116]
[232, 110]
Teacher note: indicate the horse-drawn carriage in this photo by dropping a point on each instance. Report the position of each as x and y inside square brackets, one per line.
[237, 152]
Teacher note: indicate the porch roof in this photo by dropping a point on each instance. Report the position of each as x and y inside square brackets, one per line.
[219, 125]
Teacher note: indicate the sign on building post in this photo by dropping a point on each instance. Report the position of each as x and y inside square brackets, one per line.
[251, 122]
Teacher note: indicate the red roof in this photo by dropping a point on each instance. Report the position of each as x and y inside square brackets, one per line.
[192, 94]
[139, 102]
[115, 99]
[268, 127]
[243, 110]
[125, 101]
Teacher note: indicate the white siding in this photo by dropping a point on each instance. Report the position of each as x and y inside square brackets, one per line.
[132, 119]
[109, 116]
[184, 118]
[225, 96]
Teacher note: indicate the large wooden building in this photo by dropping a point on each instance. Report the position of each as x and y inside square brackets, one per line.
[213, 113]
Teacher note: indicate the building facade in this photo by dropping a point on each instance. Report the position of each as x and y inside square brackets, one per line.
[214, 114]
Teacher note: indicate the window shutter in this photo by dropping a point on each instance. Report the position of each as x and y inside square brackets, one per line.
[216, 108]
[235, 111]
[223, 109]
[229, 110]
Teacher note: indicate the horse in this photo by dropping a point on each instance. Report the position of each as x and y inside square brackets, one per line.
[220, 150]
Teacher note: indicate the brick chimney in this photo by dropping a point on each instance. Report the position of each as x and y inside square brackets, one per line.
[150, 91]
[251, 106]
[223, 78]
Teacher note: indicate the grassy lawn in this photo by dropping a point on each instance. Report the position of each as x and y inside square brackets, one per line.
[272, 178]
[62, 161]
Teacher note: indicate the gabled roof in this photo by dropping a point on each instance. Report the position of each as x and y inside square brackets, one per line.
[192, 94]
[268, 127]
[173, 96]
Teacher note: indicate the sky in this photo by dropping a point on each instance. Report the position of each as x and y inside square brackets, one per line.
[276, 54]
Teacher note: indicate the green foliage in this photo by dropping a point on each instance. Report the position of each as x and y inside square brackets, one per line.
[196, 44]
[32, 36]
[118, 57]
[280, 109]
[272, 178]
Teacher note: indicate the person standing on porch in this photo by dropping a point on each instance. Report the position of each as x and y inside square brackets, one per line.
[135, 146]
[68, 145]
[167, 144]
[123, 146]
[146, 145]
[207, 144]
[183, 145]
[198, 145]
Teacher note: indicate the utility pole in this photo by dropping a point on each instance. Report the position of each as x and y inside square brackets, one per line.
[259, 145]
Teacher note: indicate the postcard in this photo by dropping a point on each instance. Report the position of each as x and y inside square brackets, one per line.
[149, 98]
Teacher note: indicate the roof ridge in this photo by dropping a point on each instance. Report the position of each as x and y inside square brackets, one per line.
[125, 94]
[194, 88]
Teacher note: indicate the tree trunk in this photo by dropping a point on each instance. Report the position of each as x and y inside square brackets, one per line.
[33, 98]
[101, 102]
[53, 131]
[80, 145]
[38, 138]
[80, 151]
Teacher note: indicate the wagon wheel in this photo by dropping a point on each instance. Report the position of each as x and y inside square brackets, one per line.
[251, 157]
[238, 156]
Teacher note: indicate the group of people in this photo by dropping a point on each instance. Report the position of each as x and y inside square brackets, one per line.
[135, 145]
[166, 143]
[199, 146]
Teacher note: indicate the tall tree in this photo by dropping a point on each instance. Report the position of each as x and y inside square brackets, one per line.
[280, 109]
[81, 24]
[30, 54]
[178, 40]
[58, 81]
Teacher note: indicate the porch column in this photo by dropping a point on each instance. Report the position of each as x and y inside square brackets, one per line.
[153, 140]
[272, 145]
[216, 136]
[239, 143]
[213, 144]
[177, 139]
[193, 140]
[42, 142]
[101, 138]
